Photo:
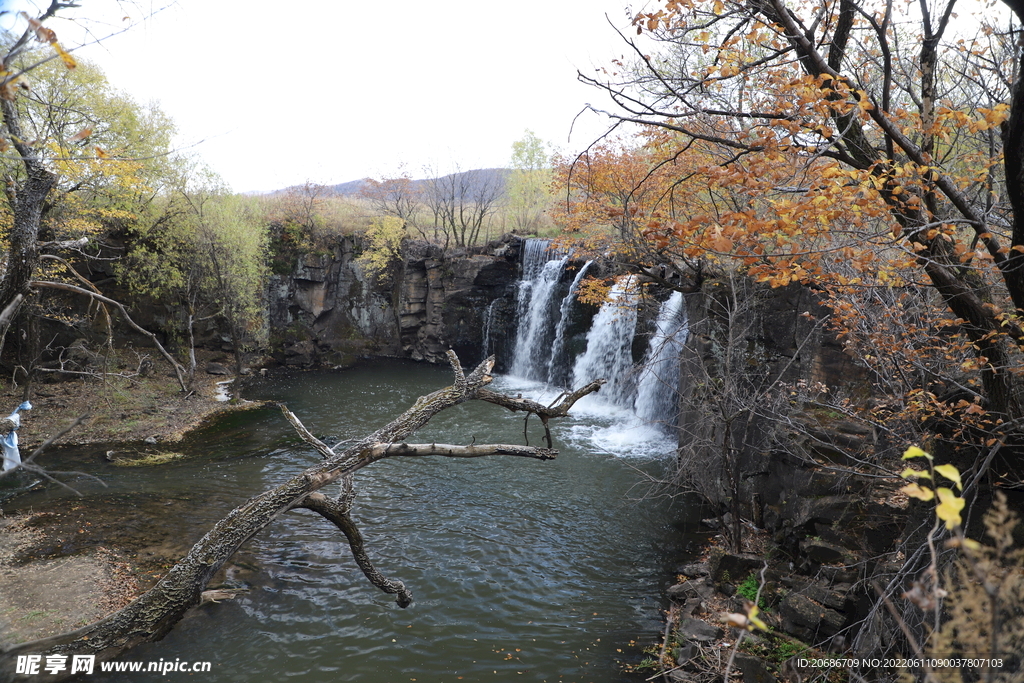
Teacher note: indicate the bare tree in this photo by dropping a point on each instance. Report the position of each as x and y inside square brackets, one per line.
[398, 197]
[154, 613]
[735, 399]
[303, 205]
[462, 201]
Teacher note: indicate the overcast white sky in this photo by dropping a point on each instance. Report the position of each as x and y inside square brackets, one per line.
[332, 91]
[273, 94]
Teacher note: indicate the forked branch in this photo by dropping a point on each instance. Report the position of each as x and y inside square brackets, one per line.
[540, 410]
[178, 369]
[336, 513]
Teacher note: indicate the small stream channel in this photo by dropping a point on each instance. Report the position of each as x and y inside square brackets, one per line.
[520, 569]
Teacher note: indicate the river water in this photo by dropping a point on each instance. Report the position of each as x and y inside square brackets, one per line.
[520, 569]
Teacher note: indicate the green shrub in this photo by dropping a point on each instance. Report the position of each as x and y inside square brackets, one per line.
[748, 589]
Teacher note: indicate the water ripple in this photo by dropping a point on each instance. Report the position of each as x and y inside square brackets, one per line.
[519, 568]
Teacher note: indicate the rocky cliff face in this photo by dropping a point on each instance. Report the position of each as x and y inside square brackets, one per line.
[327, 312]
[773, 392]
[764, 362]
[794, 453]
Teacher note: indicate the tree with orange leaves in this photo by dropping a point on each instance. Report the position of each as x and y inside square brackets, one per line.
[846, 144]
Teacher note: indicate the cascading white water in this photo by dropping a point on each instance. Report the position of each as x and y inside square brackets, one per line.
[564, 318]
[488, 324]
[623, 419]
[609, 345]
[542, 269]
[657, 388]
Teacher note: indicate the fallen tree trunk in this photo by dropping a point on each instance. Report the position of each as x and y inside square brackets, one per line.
[154, 613]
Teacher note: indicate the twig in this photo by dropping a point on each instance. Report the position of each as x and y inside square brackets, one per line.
[918, 652]
[178, 369]
[322, 448]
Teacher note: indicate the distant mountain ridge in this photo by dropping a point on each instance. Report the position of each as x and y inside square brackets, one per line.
[475, 177]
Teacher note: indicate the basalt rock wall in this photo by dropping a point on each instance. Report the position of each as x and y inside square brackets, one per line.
[764, 436]
[764, 362]
[794, 452]
[328, 311]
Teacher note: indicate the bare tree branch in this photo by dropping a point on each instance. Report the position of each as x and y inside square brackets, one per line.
[178, 369]
[525, 404]
[322, 448]
[538, 409]
[392, 450]
[336, 513]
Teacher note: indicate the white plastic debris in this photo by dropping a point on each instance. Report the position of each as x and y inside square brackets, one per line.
[9, 442]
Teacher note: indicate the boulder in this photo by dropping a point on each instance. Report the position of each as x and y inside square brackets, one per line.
[754, 670]
[216, 369]
[699, 631]
[807, 620]
[834, 598]
[827, 509]
[301, 353]
[737, 566]
[823, 552]
[685, 653]
[839, 574]
[690, 589]
[693, 569]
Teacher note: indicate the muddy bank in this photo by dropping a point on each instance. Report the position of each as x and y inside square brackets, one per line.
[44, 596]
[122, 411]
[68, 566]
[71, 565]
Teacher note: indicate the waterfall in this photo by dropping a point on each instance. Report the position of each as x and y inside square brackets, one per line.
[542, 270]
[657, 393]
[564, 319]
[536, 254]
[609, 345]
[629, 411]
[488, 324]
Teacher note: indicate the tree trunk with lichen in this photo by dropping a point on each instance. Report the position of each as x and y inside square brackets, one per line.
[27, 202]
